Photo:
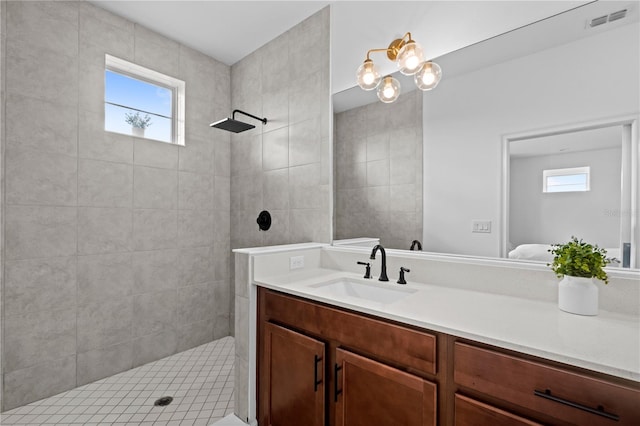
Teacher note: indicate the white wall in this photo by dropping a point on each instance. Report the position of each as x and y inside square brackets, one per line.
[467, 116]
[547, 218]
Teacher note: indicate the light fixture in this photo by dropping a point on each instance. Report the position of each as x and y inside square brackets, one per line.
[409, 57]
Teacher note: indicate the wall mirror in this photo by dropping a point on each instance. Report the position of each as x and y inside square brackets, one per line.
[552, 78]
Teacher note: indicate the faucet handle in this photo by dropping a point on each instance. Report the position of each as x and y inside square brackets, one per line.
[401, 279]
[367, 273]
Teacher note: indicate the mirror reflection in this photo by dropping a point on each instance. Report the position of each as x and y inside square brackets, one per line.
[431, 166]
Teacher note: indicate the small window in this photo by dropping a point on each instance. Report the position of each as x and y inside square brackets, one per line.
[142, 102]
[576, 179]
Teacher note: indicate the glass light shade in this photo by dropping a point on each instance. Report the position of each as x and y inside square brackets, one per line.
[368, 76]
[388, 90]
[429, 76]
[410, 58]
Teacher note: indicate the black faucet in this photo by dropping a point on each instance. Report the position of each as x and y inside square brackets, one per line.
[383, 271]
[415, 243]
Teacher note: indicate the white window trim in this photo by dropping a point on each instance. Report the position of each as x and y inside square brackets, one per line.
[565, 172]
[154, 77]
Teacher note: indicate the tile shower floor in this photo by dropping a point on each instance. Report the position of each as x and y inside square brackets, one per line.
[200, 381]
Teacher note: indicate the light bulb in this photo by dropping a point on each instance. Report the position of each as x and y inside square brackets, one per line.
[410, 58]
[429, 76]
[367, 76]
[389, 89]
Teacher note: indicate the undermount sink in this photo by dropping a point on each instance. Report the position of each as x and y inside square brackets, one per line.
[382, 293]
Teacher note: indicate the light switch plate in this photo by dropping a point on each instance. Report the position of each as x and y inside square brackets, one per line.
[296, 262]
[481, 226]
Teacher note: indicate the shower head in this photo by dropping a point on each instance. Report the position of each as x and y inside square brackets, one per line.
[235, 126]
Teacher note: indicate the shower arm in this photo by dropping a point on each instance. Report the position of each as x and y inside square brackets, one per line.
[233, 116]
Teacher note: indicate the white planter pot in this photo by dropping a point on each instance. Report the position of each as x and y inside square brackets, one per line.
[137, 132]
[578, 295]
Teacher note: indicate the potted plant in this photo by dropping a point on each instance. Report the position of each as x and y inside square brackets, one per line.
[138, 123]
[579, 264]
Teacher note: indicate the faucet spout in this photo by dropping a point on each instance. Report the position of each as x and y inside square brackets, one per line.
[383, 269]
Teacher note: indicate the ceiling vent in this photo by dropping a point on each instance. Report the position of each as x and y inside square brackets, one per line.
[600, 20]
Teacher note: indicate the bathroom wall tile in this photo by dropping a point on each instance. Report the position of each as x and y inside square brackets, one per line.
[43, 26]
[39, 285]
[308, 98]
[36, 337]
[349, 125]
[194, 334]
[351, 200]
[104, 230]
[199, 114]
[220, 297]
[154, 312]
[154, 229]
[353, 176]
[104, 184]
[195, 191]
[404, 142]
[307, 175]
[196, 155]
[195, 228]
[221, 260]
[304, 142]
[377, 119]
[31, 384]
[402, 170]
[349, 151]
[195, 265]
[275, 64]
[155, 188]
[275, 189]
[378, 172]
[155, 271]
[102, 32]
[156, 52]
[246, 192]
[96, 143]
[242, 327]
[45, 126]
[100, 363]
[279, 231]
[275, 149]
[104, 277]
[37, 231]
[246, 153]
[241, 275]
[155, 154]
[402, 198]
[222, 193]
[302, 223]
[241, 377]
[194, 304]
[34, 177]
[378, 146]
[91, 81]
[303, 197]
[309, 44]
[154, 346]
[105, 323]
[42, 74]
[222, 326]
[378, 198]
[197, 69]
[275, 106]
[221, 227]
[222, 155]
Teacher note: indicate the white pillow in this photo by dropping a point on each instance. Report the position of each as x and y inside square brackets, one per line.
[532, 252]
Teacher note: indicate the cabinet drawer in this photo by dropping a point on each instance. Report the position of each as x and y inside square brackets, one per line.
[470, 412]
[556, 393]
[389, 342]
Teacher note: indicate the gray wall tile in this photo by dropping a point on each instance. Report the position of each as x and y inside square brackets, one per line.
[155, 271]
[155, 188]
[195, 265]
[38, 337]
[34, 177]
[31, 384]
[197, 154]
[104, 276]
[104, 323]
[37, 231]
[104, 230]
[154, 346]
[96, 143]
[100, 363]
[154, 312]
[195, 191]
[155, 154]
[195, 334]
[195, 228]
[155, 229]
[105, 184]
[275, 149]
[37, 284]
[194, 304]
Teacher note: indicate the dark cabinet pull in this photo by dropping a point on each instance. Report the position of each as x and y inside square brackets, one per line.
[597, 411]
[316, 382]
[336, 391]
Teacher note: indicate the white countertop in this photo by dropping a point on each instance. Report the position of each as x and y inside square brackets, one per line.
[607, 343]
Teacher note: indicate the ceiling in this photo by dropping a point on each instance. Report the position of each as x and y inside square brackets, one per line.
[230, 30]
[577, 141]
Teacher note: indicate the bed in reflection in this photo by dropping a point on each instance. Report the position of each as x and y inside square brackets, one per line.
[542, 253]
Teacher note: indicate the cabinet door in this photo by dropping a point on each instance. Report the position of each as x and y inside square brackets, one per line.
[294, 383]
[369, 393]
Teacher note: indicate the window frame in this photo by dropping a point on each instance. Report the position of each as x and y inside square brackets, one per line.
[569, 171]
[146, 75]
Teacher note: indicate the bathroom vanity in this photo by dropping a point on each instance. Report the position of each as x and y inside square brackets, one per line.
[332, 348]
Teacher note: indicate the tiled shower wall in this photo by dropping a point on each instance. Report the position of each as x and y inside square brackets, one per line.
[283, 167]
[2, 127]
[117, 249]
[378, 171]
